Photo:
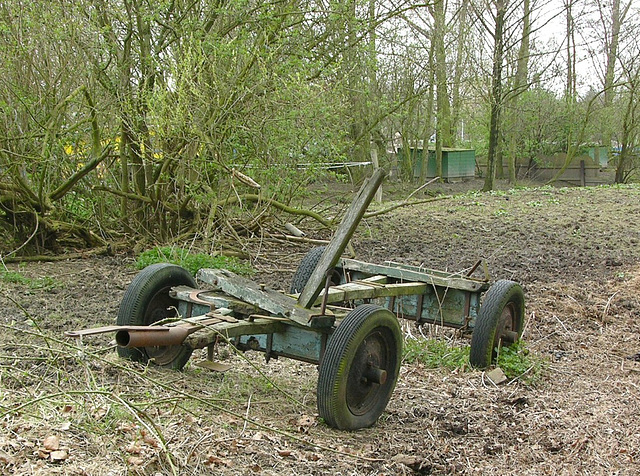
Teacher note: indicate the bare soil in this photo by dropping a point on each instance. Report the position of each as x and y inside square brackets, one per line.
[76, 411]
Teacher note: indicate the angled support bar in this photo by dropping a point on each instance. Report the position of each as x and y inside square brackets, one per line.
[338, 243]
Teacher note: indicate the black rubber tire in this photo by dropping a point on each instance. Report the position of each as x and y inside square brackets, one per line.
[146, 300]
[306, 268]
[502, 311]
[368, 340]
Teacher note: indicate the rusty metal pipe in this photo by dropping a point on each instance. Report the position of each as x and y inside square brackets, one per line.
[163, 336]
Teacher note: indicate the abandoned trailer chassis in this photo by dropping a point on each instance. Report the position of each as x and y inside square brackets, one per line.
[345, 318]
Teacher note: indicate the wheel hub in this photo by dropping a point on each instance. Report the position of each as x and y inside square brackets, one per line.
[368, 373]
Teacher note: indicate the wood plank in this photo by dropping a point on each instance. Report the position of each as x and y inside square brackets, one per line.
[262, 297]
[355, 290]
[454, 281]
[213, 299]
[338, 243]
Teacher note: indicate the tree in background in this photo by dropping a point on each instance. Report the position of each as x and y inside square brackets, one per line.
[133, 118]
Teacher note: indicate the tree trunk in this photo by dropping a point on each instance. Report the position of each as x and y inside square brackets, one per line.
[570, 92]
[519, 85]
[496, 95]
[463, 28]
[443, 121]
[611, 45]
[428, 121]
[629, 131]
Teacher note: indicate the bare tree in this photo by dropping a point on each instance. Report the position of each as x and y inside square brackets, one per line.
[498, 12]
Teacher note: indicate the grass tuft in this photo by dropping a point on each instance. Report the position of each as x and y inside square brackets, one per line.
[515, 361]
[192, 262]
[436, 353]
[15, 277]
[518, 363]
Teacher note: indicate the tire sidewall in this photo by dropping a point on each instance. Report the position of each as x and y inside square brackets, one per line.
[305, 269]
[341, 351]
[483, 338]
[140, 294]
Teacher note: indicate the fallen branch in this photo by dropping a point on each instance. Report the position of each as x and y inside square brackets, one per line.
[280, 206]
[299, 239]
[421, 187]
[405, 204]
[103, 250]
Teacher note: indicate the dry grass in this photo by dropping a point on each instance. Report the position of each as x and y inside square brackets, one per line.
[112, 417]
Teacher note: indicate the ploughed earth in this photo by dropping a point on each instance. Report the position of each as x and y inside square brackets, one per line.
[77, 409]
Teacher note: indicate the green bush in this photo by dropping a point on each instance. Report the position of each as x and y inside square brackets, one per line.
[192, 262]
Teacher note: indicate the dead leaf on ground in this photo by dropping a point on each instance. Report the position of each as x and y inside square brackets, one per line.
[60, 455]
[150, 440]
[51, 443]
[65, 426]
[416, 463]
[135, 461]
[215, 461]
[305, 422]
[134, 448]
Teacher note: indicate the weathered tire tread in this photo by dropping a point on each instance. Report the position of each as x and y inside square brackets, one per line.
[305, 269]
[342, 339]
[483, 337]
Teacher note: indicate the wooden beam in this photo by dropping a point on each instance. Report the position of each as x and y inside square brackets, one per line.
[338, 243]
[209, 334]
[411, 274]
[361, 290]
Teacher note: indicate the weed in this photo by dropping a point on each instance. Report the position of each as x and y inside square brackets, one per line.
[515, 361]
[435, 353]
[192, 262]
[518, 363]
[500, 212]
[15, 277]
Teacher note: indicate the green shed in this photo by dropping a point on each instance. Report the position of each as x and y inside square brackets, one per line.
[456, 163]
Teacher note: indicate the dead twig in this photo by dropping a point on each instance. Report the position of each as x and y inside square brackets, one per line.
[405, 204]
[608, 306]
[421, 187]
[103, 250]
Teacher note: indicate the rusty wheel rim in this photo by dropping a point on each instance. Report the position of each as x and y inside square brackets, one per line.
[507, 325]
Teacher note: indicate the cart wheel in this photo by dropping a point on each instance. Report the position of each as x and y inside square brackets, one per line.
[359, 369]
[146, 301]
[306, 268]
[500, 321]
